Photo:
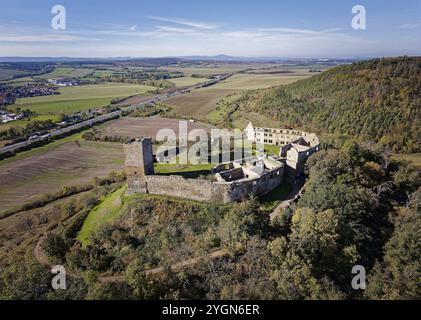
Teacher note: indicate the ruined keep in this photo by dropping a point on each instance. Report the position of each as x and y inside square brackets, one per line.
[138, 163]
[235, 180]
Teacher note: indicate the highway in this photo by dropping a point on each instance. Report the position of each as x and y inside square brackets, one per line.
[76, 126]
[108, 116]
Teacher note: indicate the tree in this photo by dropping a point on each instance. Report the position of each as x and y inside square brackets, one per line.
[241, 222]
[398, 275]
[55, 246]
[24, 279]
[105, 291]
[136, 279]
[245, 276]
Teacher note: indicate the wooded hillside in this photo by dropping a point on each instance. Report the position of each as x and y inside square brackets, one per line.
[377, 100]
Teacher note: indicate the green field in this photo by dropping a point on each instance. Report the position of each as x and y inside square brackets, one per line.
[207, 70]
[272, 150]
[187, 81]
[103, 213]
[24, 122]
[246, 81]
[17, 82]
[80, 98]
[191, 171]
[66, 73]
[103, 73]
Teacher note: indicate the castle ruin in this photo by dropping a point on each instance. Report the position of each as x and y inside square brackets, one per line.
[235, 180]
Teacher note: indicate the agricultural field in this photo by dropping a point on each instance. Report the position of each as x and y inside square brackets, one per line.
[103, 73]
[66, 162]
[64, 72]
[208, 69]
[18, 82]
[80, 98]
[7, 73]
[145, 127]
[248, 81]
[201, 102]
[187, 81]
[198, 103]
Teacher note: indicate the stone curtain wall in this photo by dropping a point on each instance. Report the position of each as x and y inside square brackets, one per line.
[215, 192]
[195, 189]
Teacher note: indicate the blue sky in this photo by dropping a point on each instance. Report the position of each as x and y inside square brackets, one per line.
[259, 28]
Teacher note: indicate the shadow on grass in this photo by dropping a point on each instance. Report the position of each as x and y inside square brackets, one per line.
[273, 198]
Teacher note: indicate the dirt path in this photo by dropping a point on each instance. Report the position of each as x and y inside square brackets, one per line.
[39, 253]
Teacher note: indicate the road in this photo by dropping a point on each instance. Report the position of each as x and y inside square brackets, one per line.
[108, 116]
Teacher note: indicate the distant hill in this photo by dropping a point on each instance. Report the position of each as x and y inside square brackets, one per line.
[377, 100]
[180, 59]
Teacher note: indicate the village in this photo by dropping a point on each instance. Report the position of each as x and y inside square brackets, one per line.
[9, 95]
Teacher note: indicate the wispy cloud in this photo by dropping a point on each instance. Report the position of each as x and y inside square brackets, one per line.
[43, 38]
[292, 31]
[407, 26]
[184, 22]
[176, 36]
